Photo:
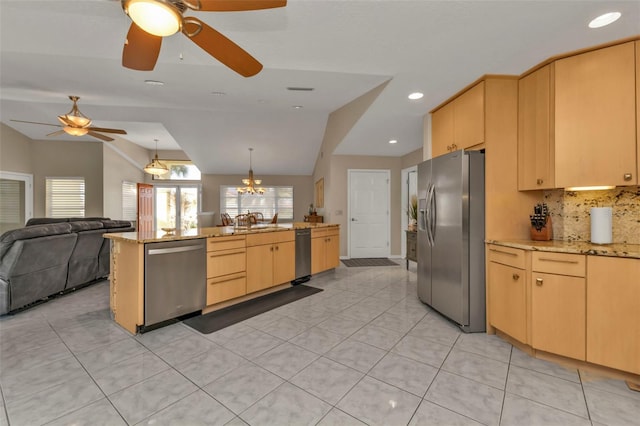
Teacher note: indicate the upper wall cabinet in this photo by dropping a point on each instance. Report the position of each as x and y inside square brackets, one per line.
[595, 118]
[577, 121]
[459, 124]
[535, 132]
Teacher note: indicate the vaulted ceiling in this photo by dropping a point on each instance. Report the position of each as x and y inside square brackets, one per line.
[340, 48]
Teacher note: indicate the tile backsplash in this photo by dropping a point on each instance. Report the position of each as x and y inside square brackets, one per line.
[570, 213]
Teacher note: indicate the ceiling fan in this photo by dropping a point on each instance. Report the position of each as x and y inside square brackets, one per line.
[76, 123]
[154, 19]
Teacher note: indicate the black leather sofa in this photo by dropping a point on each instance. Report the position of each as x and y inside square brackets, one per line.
[53, 256]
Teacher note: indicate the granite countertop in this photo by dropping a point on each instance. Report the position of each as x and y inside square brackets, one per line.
[575, 247]
[219, 231]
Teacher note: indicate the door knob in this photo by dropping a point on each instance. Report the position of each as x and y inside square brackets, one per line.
[539, 282]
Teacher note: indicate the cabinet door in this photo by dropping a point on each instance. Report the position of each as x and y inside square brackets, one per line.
[259, 267]
[613, 312]
[318, 254]
[535, 138]
[558, 314]
[595, 118]
[507, 300]
[332, 251]
[442, 130]
[638, 110]
[284, 262]
[468, 118]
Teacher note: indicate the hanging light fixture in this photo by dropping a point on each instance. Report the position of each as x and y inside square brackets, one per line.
[155, 167]
[250, 183]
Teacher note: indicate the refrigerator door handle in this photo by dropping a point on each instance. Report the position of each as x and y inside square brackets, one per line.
[432, 214]
[428, 225]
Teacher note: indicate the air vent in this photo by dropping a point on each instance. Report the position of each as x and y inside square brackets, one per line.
[300, 89]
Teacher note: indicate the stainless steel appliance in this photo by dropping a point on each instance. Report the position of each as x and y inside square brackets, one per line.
[303, 256]
[175, 279]
[451, 276]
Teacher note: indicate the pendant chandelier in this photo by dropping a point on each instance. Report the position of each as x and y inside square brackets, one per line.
[155, 167]
[250, 184]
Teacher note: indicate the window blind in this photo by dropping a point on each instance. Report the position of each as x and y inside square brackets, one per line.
[129, 201]
[276, 199]
[65, 197]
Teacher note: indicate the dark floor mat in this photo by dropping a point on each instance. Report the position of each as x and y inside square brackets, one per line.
[217, 320]
[369, 261]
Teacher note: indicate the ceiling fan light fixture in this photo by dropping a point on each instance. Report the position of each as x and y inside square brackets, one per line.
[157, 17]
[75, 131]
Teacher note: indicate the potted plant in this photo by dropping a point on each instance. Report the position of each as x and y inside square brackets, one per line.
[413, 213]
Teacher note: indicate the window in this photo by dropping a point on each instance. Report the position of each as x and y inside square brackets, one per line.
[179, 170]
[176, 206]
[276, 199]
[65, 197]
[129, 201]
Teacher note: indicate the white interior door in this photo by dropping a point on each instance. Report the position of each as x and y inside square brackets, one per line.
[369, 213]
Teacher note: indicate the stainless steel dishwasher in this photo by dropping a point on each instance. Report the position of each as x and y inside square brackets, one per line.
[303, 256]
[175, 279]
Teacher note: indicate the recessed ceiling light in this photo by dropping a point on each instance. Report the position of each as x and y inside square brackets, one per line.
[297, 107]
[416, 95]
[393, 141]
[604, 20]
[218, 93]
[154, 82]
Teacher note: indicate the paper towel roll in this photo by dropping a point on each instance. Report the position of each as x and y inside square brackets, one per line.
[601, 225]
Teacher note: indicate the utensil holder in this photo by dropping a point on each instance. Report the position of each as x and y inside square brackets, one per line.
[544, 234]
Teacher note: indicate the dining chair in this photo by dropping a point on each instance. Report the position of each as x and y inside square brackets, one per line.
[274, 219]
[226, 219]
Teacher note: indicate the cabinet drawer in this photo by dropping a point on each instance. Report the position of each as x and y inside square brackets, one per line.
[318, 233]
[270, 238]
[559, 263]
[225, 243]
[232, 287]
[226, 262]
[507, 256]
[333, 231]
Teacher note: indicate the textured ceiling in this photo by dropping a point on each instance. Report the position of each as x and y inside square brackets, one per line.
[341, 48]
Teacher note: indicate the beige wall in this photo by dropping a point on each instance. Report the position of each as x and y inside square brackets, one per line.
[15, 151]
[68, 159]
[411, 159]
[302, 191]
[116, 169]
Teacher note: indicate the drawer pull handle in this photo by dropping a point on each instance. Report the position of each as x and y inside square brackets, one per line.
[504, 252]
[627, 177]
[516, 277]
[544, 259]
[539, 282]
[539, 181]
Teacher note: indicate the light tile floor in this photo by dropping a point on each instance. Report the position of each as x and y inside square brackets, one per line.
[363, 351]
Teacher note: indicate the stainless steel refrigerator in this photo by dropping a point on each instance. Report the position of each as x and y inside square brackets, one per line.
[451, 276]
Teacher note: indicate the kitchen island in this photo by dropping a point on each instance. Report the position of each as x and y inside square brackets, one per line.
[241, 263]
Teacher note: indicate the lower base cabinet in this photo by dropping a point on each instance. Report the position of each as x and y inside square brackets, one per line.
[613, 312]
[507, 293]
[270, 260]
[325, 249]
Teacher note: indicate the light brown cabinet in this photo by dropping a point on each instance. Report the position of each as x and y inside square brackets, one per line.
[507, 291]
[577, 121]
[558, 299]
[613, 312]
[325, 249]
[459, 124]
[270, 260]
[226, 268]
[535, 130]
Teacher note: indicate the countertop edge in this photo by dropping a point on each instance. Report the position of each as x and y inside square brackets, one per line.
[573, 247]
[213, 232]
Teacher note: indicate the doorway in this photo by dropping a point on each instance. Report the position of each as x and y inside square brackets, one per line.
[176, 206]
[409, 189]
[16, 200]
[369, 219]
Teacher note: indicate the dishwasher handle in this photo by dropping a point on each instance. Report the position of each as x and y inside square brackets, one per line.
[152, 252]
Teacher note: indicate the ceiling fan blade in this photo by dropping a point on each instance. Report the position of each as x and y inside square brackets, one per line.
[105, 130]
[99, 136]
[35, 122]
[141, 49]
[238, 5]
[220, 47]
[56, 133]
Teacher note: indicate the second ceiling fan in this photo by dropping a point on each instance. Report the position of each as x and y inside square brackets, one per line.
[154, 19]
